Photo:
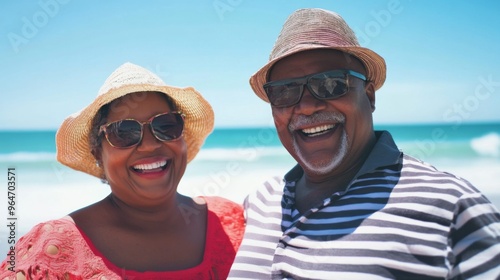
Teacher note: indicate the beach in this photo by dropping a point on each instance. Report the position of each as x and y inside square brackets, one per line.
[231, 164]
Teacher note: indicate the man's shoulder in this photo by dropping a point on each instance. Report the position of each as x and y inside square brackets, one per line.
[426, 173]
[269, 190]
[266, 197]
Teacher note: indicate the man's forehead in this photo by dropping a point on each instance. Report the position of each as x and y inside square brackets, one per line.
[337, 58]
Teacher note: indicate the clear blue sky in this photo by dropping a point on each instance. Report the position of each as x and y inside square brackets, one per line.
[443, 57]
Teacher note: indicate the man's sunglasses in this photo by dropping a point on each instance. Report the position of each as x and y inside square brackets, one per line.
[325, 85]
[128, 132]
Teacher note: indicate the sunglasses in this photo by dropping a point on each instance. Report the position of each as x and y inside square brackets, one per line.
[128, 132]
[324, 86]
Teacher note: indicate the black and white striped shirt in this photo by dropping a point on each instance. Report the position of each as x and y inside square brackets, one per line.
[398, 219]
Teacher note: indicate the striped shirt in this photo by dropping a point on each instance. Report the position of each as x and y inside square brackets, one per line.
[398, 219]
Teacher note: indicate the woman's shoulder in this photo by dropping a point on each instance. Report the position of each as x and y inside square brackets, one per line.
[229, 215]
[226, 226]
[49, 235]
[216, 202]
[223, 207]
[54, 248]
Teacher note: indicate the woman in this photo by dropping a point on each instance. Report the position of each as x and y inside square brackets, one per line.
[138, 136]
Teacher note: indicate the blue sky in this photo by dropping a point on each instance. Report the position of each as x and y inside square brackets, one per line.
[442, 56]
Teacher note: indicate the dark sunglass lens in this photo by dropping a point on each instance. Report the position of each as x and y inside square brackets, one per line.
[328, 86]
[284, 95]
[168, 126]
[124, 133]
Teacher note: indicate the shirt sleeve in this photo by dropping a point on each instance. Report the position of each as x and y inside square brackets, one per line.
[475, 239]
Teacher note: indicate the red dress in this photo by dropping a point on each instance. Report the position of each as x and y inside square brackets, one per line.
[77, 258]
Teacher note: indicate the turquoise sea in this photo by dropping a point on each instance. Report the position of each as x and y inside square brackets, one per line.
[231, 163]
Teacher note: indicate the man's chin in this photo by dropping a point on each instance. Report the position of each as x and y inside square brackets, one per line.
[326, 162]
[317, 167]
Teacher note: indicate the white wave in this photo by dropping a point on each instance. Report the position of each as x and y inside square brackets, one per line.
[27, 157]
[243, 154]
[487, 145]
[215, 154]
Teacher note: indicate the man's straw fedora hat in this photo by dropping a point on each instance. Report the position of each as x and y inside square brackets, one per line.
[308, 29]
[72, 138]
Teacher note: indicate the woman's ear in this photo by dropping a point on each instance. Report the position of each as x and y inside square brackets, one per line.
[97, 155]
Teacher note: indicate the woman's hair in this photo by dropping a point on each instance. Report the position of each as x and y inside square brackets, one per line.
[100, 118]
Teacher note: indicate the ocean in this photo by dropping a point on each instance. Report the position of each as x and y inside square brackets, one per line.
[231, 163]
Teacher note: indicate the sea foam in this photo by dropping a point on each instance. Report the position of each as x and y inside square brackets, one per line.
[240, 154]
[487, 145]
[27, 157]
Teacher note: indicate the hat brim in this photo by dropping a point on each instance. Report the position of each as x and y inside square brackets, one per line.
[72, 138]
[374, 65]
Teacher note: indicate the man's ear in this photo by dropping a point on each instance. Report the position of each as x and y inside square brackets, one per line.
[370, 93]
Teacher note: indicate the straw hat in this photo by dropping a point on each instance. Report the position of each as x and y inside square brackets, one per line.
[308, 29]
[72, 138]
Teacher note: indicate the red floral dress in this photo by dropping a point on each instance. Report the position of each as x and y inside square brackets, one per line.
[57, 249]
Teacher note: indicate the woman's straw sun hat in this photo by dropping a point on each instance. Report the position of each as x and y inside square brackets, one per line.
[72, 138]
[308, 29]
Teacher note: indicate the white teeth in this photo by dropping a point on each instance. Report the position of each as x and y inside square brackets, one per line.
[318, 129]
[150, 166]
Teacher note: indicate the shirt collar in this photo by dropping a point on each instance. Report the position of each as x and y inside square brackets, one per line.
[384, 153]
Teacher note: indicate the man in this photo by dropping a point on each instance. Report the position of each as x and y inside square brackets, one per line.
[354, 207]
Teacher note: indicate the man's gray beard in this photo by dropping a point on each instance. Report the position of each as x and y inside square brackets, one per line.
[329, 164]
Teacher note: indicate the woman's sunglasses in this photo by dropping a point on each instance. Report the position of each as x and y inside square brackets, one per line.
[326, 85]
[128, 132]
